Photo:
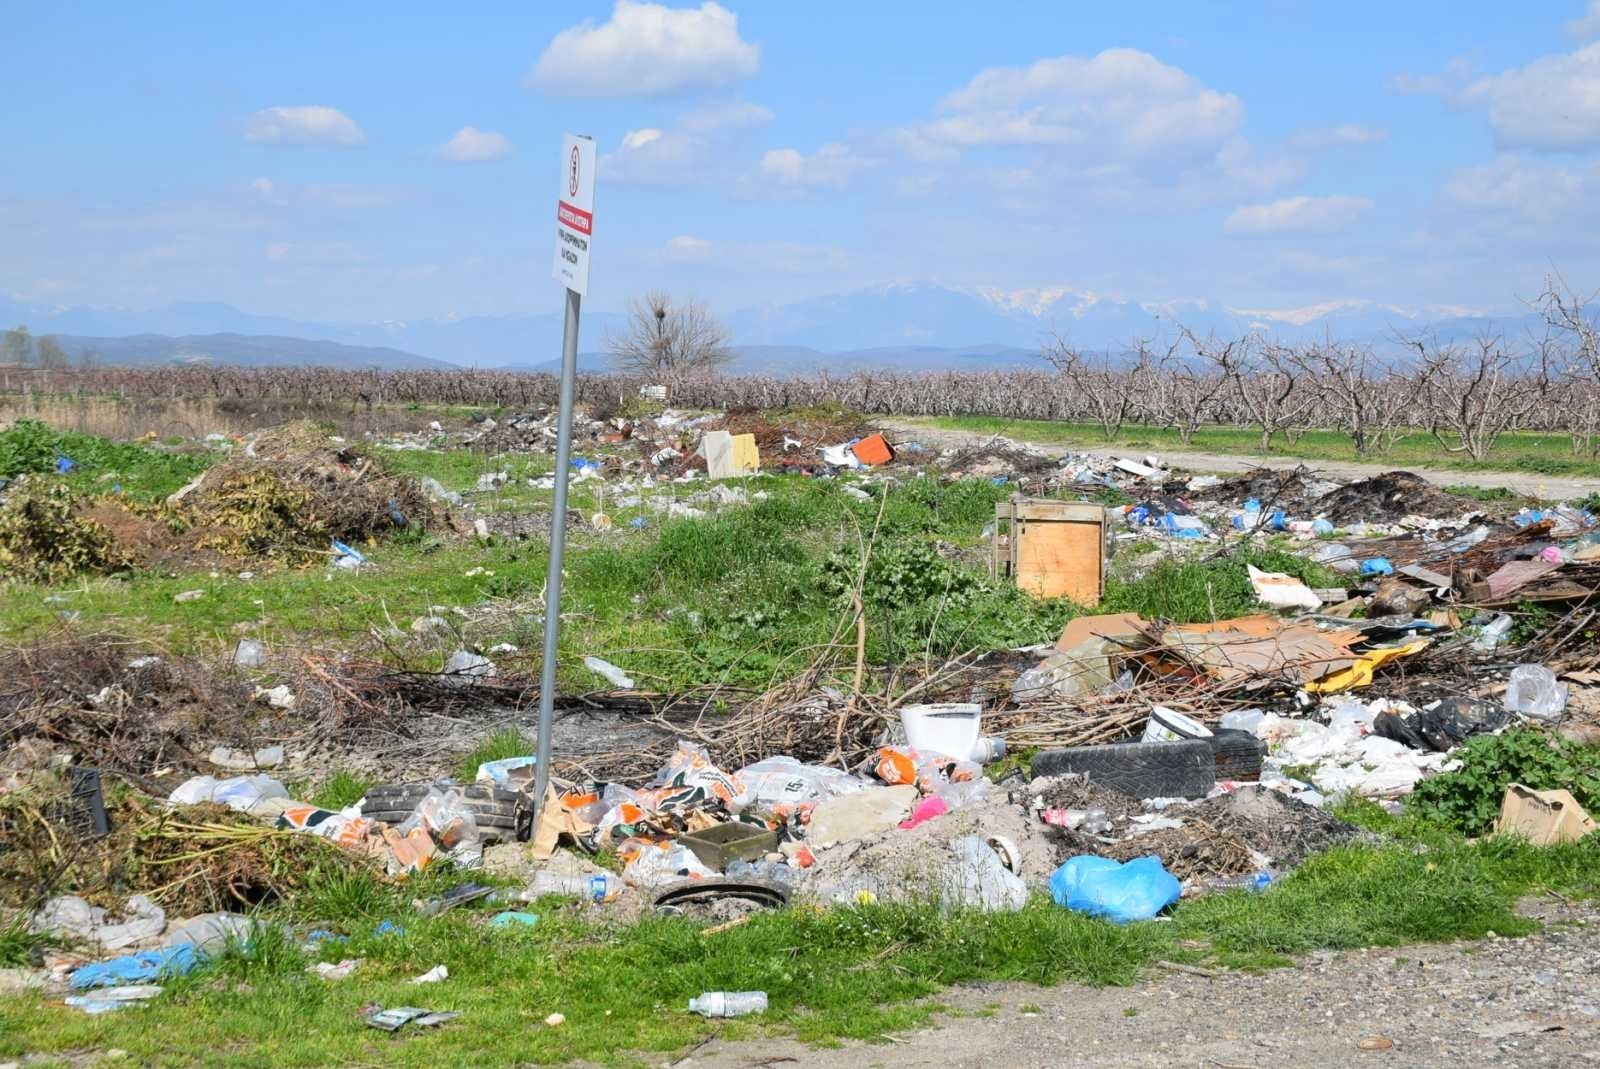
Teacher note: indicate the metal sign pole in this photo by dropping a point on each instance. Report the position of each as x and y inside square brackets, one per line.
[558, 543]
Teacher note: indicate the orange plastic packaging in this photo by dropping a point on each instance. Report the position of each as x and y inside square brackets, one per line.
[895, 767]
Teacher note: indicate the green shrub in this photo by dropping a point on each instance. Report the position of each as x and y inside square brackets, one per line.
[1468, 798]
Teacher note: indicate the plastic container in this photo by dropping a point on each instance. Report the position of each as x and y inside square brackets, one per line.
[1243, 720]
[946, 728]
[1492, 633]
[1169, 725]
[988, 748]
[729, 1003]
[719, 844]
[597, 887]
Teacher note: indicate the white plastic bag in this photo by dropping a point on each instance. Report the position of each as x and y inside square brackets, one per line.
[978, 879]
[1282, 591]
[1535, 692]
[656, 867]
[236, 792]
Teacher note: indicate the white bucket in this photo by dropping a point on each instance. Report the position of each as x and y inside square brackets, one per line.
[1169, 725]
[946, 728]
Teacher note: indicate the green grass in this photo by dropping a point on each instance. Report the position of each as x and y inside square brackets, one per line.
[507, 742]
[339, 790]
[101, 466]
[843, 972]
[1520, 451]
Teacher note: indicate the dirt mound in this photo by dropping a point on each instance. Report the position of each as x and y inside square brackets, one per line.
[1194, 851]
[1389, 497]
[1287, 489]
[1285, 830]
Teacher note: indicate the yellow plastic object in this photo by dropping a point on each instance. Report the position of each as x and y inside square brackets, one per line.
[1360, 673]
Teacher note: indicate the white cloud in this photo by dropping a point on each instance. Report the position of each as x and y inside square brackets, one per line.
[1519, 194]
[686, 248]
[742, 257]
[1122, 101]
[471, 145]
[1320, 137]
[308, 124]
[1586, 27]
[1552, 103]
[692, 151]
[830, 167]
[1297, 215]
[1549, 104]
[646, 50]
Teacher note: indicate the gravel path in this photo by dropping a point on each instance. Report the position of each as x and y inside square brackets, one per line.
[1550, 487]
[1523, 1003]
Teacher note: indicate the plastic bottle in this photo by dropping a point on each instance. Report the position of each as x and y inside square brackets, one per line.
[598, 887]
[729, 1003]
[1492, 633]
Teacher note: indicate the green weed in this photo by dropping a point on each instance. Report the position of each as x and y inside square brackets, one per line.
[1469, 797]
[339, 790]
[507, 742]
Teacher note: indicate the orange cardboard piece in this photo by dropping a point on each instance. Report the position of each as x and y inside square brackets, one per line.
[1117, 625]
[874, 449]
[1235, 651]
[1544, 818]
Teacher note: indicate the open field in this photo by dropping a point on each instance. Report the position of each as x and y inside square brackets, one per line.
[734, 603]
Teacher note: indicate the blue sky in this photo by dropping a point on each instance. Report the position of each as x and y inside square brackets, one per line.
[360, 162]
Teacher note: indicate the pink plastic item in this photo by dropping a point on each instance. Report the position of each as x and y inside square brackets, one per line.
[926, 810]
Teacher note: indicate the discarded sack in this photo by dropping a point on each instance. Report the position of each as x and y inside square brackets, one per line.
[1127, 891]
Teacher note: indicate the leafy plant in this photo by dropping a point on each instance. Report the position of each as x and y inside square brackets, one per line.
[1468, 798]
[42, 539]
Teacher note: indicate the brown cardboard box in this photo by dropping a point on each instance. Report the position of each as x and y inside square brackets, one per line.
[1544, 818]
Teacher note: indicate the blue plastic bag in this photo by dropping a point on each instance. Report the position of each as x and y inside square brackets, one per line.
[1118, 891]
[138, 968]
[1377, 566]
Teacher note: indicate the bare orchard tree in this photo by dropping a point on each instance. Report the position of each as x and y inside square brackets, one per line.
[1567, 316]
[1268, 387]
[1181, 391]
[1371, 398]
[1477, 391]
[1106, 392]
[666, 340]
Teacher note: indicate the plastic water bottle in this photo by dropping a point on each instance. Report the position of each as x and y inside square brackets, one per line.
[599, 887]
[729, 1003]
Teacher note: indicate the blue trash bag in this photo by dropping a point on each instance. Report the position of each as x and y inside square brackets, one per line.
[1118, 891]
[137, 968]
[1377, 566]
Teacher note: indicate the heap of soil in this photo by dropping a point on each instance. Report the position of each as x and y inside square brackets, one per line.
[1388, 497]
[1285, 489]
[1286, 830]
[1194, 851]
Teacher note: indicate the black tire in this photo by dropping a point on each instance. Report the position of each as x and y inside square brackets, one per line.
[499, 814]
[1238, 754]
[1184, 769]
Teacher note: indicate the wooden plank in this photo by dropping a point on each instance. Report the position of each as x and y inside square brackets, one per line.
[1065, 511]
[1056, 559]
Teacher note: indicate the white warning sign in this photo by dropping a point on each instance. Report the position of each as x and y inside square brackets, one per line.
[575, 213]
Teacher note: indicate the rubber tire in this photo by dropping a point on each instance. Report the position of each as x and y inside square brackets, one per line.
[1238, 754]
[1186, 769]
[500, 814]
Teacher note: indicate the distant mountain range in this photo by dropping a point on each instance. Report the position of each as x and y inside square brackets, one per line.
[896, 326]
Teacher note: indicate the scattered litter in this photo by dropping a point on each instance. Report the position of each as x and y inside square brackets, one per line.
[433, 976]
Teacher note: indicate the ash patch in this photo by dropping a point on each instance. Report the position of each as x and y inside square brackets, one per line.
[1389, 497]
[1285, 830]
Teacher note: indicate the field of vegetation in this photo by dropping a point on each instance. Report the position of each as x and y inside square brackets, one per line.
[750, 596]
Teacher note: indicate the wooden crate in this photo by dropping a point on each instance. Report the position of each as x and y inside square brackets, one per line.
[1051, 549]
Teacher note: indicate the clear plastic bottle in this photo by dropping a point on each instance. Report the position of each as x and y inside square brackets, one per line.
[729, 1003]
[776, 872]
[597, 887]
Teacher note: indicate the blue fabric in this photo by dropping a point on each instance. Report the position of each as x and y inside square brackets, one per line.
[1118, 891]
[137, 968]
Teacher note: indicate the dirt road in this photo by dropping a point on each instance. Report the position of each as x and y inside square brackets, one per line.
[1549, 487]
[1502, 1002]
